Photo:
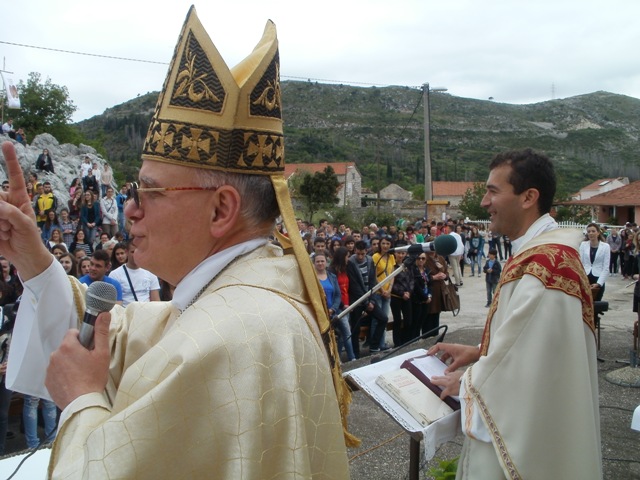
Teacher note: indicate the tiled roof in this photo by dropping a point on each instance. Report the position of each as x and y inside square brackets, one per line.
[598, 184]
[451, 189]
[623, 196]
[339, 168]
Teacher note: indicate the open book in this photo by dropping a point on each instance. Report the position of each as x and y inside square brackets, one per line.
[411, 388]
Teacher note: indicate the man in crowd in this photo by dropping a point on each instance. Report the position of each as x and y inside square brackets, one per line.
[231, 379]
[530, 399]
[362, 278]
[138, 284]
[7, 126]
[46, 201]
[100, 266]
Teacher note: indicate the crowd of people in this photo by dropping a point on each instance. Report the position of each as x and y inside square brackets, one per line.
[352, 261]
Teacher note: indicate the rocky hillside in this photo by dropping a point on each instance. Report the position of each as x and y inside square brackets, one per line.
[66, 161]
[381, 129]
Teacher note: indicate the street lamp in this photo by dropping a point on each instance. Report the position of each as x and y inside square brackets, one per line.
[428, 184]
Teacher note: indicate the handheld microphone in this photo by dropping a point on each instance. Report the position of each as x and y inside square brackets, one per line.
[443, 245]
[100, 297]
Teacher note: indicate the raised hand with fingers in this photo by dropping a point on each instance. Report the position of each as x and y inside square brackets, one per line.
[20, 240]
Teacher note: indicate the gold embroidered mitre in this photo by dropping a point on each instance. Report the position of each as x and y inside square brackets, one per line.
[209, 116]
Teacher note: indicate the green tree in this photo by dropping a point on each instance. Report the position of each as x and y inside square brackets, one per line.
[46, 108]
[319, 191]
[470, 203]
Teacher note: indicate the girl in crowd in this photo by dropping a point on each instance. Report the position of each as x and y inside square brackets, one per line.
[595, 255]
[10, 285]
[339, 269]
[308, 243]
[79, 241]
[119, 255]
[90, 216]
[69, 264]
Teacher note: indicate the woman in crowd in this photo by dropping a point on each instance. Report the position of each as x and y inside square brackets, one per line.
[411, 236]
[334, 244]
[119, 255]
[50, 224]
[83, 266]
[90, 216]
[385, 264]
[420, 296]
[75, 184]
[55, 238]
[105, 179]
[75, 204]
[401, 293]
[350, 244]
[67, 226]
[79, 241]
[331, 289]
[615, 244]
[437, 267]
[595, 255]
[69, 264]
[11, 284]
[308, 243]
[58, 250]
[476, 247]
[339, 269]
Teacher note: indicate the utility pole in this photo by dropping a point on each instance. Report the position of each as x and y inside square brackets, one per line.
[428, 183]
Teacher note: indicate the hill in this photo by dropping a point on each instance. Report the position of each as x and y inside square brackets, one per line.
[381, 129]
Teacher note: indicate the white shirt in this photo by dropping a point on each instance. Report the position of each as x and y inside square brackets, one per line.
[143, 282]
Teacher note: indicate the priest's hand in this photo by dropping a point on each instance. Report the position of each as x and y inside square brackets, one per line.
[459, 355]
[75, 371]
[450, 383]
[20, 241]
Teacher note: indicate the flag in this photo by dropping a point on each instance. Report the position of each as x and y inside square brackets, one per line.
[13, 98]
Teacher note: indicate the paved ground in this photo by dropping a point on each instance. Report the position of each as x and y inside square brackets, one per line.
[384, 453]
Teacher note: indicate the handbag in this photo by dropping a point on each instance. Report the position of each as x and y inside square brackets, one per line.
[450, 298]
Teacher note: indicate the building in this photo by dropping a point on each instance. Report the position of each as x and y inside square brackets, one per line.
[350, 190]
[600, 186]
[616, 206]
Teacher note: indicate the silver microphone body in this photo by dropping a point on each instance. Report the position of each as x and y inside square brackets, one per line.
[100, 297]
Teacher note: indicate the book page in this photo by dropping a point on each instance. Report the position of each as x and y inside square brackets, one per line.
[431, 365]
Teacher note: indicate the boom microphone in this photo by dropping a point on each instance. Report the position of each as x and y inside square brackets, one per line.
[443, 245]
[100, 297]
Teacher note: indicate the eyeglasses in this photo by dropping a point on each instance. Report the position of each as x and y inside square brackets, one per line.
[5, 187]
[135, 191]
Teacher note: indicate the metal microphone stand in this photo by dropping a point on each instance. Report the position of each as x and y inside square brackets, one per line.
[378, 358]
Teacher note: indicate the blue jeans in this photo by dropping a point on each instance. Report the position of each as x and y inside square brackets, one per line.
[30, 419]
[491, 288]
[385, 307]
[476, 260]
[344, 337]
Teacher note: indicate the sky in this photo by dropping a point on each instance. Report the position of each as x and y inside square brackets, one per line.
[513, 51]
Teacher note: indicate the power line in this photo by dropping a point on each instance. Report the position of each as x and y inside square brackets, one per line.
[73, 52]
[83, 53]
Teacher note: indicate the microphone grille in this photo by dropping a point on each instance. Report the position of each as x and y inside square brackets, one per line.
[101, 296]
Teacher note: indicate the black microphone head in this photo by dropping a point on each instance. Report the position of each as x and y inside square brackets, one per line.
[445, 245]
[101, 297]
